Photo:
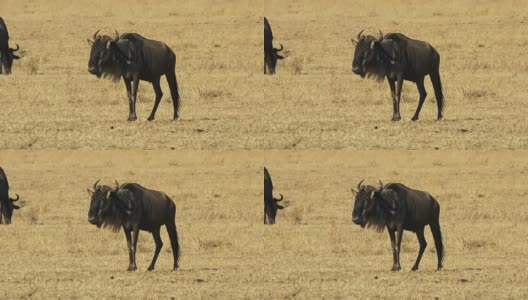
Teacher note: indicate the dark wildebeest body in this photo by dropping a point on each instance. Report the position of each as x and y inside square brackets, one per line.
[271, 55]
[135, 58]
[399, 208]
[135, 208]
[270, 203]
[7, 55]
[399, 58]
[6, 204]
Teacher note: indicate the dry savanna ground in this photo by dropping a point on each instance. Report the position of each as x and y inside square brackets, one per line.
[316, 102]
[314, 251]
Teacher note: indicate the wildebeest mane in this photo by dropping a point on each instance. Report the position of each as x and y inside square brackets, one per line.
[385, 209]
[122, 57]
[386, 56]
[120, 211]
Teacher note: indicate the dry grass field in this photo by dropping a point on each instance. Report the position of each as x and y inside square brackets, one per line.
[314, 102]
[314, 251]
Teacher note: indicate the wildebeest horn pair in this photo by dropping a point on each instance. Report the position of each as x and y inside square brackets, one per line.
[359, 184]
[281, 198]
[282, 47]
[17, 197]
[15, 50]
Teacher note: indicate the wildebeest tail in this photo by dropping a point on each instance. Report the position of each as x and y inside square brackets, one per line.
[437, 86]
[437, 235]
[175, 93]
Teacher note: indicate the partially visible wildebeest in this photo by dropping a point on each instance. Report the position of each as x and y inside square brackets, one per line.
[399, 208]
[6, 204]
[135, 208]
[399, 58]
[135, 58]
[271, 55]
[270, 203]
[7, 55]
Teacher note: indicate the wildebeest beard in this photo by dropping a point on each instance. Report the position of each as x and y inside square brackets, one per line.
[120, 211]
[384, 61]
[122, 56]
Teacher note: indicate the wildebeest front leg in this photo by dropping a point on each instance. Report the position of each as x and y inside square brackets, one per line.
[135, 235]
[395, 100]
[131, 102]
[135, 86]
[159, 244]
[159, 94]
[395, 260]
[423, 244]
[131, 254]
[399, 236]
[423, 94]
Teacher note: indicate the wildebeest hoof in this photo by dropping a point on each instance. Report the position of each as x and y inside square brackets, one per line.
[132, 268]
[150, 119]
[414, 119]
[396, 268]
[396, 118]
[150, 269]
[132, 118]
[414, 269]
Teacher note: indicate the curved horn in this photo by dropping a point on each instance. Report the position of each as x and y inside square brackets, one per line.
[117, 35]
[95, 184]
[282, 197]
[359, 184]
[359, 34]
[15, 50]
[381, 185]
[381, 35]
[18, 197]
[95, 34]
[282, 47]
[117, 185]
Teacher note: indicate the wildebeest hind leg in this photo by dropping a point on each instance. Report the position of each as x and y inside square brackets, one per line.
[423, 94]
[423, 244]
[159, 244]
[159, 94]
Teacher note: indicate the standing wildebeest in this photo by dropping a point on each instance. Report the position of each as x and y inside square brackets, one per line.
[135, 58]
[271, 55]
[399, 58]
[270, 204]
[7, 55]
[6, 204]
[399, 208]
[135, 208]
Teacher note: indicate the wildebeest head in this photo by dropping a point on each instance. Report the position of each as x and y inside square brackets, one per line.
[100, 205]
[7, 208]
[6, 59]
[274, 57]
[103, 55]
[365, 203]
[368, 49]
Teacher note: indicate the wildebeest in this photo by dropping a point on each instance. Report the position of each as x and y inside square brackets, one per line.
[399, 208]
[271, 204]
[271, 55]
[135, 208]
[399, 58]
[135, 58]
[7, 55]
[7, 204]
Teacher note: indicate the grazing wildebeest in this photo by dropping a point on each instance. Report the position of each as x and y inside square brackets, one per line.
[7, 55]
[399, 58]
[399, 208]
[135, 58]
[270, 203]
[135, 208]
[6, 204]
[271, 55]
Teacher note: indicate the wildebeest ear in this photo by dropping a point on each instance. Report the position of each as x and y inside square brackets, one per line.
[108, 44]
[280, 57]
[90, 192]
[16, 56]
[372, 194]
[15, 206]
[108, 194]
[372, 44]
[280, 206]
